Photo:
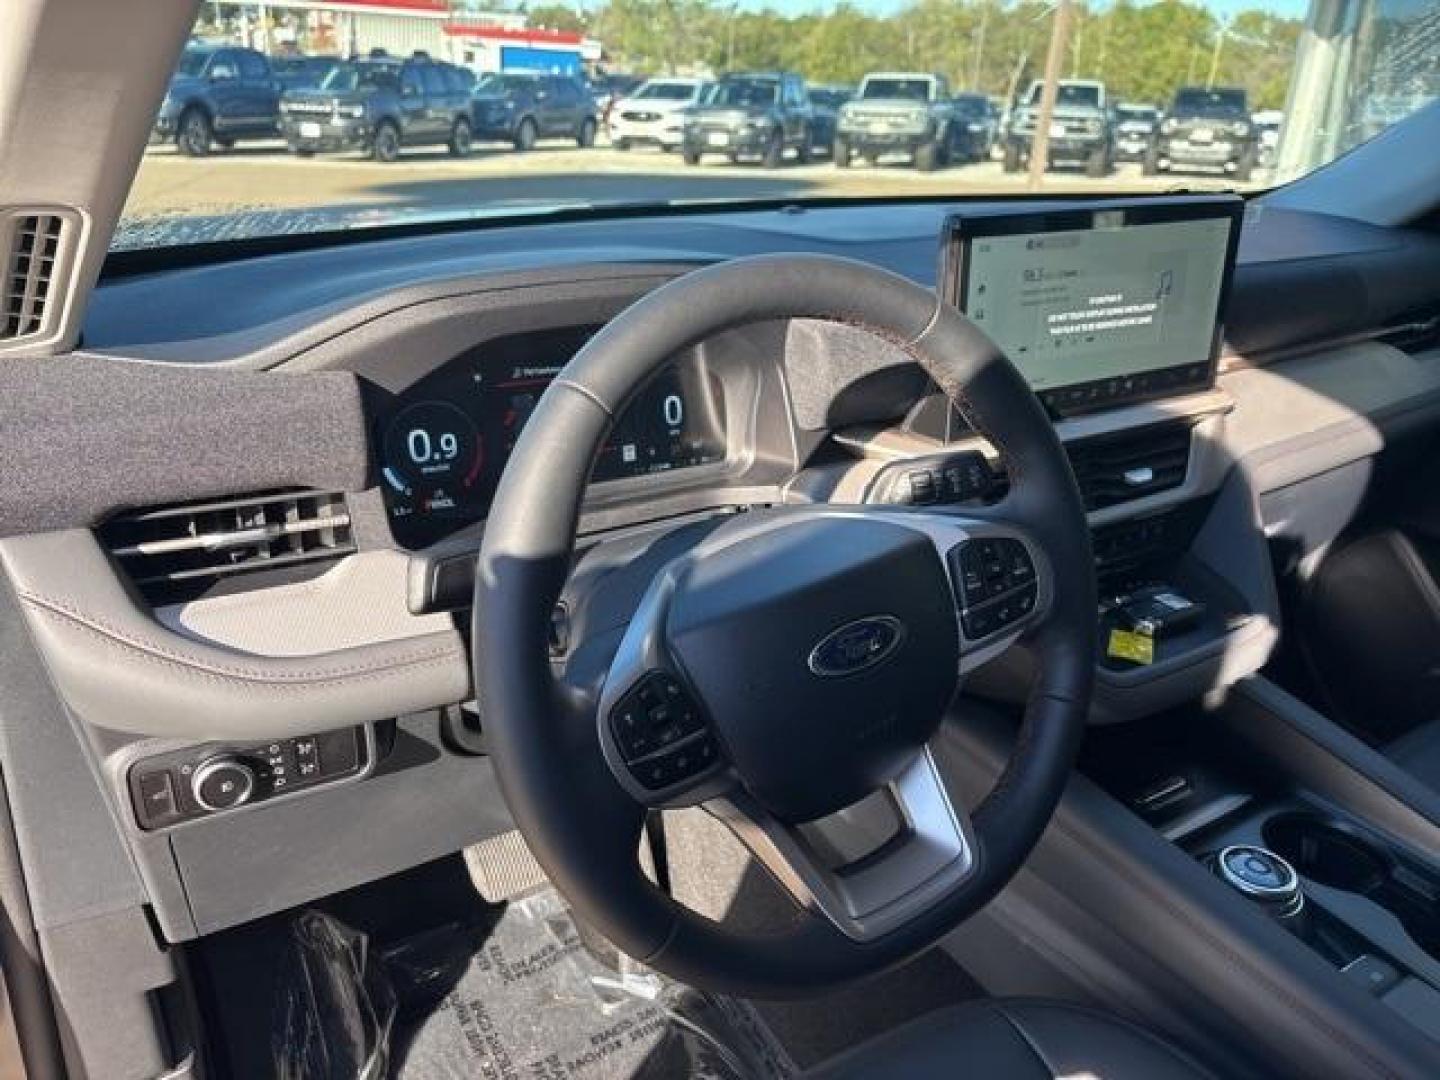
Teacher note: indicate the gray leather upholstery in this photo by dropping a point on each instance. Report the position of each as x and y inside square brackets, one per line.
[1418, 753]
[1014, 1040]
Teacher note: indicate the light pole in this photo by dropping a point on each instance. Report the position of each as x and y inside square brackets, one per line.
[1215, 56]
[980, 45]
[1054, 57]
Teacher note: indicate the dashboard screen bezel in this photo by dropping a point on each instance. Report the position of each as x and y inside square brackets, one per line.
[1084, 396]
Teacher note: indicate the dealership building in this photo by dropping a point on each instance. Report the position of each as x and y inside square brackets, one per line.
[481, 40]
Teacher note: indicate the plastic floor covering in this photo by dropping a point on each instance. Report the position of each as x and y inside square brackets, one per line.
[519, 997]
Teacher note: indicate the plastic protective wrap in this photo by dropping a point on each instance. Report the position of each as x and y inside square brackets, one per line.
[521, 996]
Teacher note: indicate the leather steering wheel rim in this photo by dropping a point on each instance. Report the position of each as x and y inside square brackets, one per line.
[580, 825]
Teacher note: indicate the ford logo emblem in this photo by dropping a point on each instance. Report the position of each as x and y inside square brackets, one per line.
[857, 646]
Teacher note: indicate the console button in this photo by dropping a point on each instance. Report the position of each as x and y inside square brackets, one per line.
[157, 796]
[223, 783]
[979, 623]
[923, 487]
[630, 724]
[1372, 973]
[655, 714]
[677, 765]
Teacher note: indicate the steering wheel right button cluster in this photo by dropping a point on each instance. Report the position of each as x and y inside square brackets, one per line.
[997, 584]
[661, 734]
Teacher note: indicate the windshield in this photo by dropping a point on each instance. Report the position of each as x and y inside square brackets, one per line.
[1197, 102]
[1086, 96]
[745, 93]
[906, 89]
[541, 133]
[658, 91]
[192, 63]
[347, 77]
[504, 84]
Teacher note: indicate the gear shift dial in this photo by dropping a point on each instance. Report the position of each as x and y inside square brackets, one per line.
[1263, 877]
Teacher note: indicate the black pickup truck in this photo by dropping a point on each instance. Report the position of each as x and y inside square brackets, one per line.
[218, 95]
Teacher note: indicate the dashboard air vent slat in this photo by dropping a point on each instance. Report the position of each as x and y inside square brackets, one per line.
[30, 274]
[174, 550]
[1119, 468]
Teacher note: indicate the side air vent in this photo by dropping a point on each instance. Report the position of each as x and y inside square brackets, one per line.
[1116, 469]
[179, 551]
[35, 246]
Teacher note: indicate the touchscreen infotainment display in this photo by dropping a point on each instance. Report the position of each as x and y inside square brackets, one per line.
[1100, 306]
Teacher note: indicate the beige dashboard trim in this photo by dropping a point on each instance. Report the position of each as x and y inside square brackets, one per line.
[118, 668]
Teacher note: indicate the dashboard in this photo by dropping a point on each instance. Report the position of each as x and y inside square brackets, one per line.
[444, 442]
[326, 369]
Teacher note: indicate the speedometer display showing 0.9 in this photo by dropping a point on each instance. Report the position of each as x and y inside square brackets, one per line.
[446, 442]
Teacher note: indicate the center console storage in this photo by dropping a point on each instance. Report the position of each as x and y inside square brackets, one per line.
[1365, 897]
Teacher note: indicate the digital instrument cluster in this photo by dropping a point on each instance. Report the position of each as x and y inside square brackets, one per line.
[445, 442]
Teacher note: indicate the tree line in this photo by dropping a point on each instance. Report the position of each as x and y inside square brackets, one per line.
[1142, 52]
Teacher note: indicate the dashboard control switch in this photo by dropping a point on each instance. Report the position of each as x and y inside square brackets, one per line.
[222, 783]
[157, 797]
[923, 488]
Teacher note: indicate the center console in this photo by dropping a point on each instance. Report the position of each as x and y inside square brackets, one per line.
[1306, 834]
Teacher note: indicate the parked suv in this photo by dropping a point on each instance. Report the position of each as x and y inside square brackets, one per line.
[379, 105]
[762, 114]
[522, 108]
[903, 112]
[654, 113]
[1080, 131]
[1206, 128]
[216, 96]
[1134, 128]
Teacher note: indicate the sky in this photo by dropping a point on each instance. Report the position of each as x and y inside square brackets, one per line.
[1290, 8]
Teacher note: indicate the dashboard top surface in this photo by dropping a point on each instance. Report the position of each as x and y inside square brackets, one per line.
[141, 306]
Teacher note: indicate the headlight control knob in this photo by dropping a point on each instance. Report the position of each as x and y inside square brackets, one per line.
[223, 783]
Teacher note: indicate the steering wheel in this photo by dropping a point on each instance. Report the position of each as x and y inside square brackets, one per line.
[781, 665]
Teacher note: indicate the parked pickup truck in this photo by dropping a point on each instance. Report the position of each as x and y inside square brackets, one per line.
[216, 96]
[1080, 129]
[899, 112]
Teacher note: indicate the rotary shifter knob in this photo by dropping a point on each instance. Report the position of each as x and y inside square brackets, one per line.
[222, 783]
[1263, 876]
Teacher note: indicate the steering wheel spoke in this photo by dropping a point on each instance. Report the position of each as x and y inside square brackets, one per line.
[871, 867]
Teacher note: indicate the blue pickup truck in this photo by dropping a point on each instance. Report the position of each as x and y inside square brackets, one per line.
[218, 95]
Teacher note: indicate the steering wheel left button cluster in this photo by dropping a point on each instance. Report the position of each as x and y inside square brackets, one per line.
[661, 734]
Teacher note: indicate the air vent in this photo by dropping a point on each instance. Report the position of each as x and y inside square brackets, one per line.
[1116, 469]
[35, 245]
[178, 551]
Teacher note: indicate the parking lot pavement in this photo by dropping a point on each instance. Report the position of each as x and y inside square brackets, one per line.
[261, 177]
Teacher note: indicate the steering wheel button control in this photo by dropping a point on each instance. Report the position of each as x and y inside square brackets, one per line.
[661, 734]
[193, 783]
[678, 765]
[997, 583]
[656, 714]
